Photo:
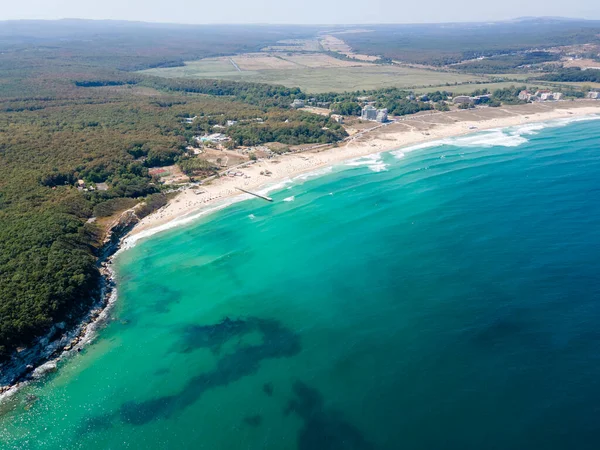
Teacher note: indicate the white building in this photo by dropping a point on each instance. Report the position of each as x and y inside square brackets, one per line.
[369, 112]
[297, 103]
[593, 95]
[546, 95]
[382, 116]
[524, 96]
[215, 137]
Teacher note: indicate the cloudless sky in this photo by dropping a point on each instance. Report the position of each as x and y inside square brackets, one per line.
[298, 11]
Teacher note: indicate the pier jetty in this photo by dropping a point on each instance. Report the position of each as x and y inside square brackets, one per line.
[269, 199]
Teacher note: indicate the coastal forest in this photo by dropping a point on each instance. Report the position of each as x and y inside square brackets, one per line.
[70, 113]
[81, 129]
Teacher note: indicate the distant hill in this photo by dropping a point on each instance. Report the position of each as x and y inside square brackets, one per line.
[440, 44]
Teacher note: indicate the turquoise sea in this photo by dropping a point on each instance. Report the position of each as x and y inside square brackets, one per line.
[446, 297]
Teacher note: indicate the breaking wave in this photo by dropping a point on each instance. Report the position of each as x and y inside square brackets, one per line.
[498, 137]
[373, 162]
[504, 137]
[131, 240]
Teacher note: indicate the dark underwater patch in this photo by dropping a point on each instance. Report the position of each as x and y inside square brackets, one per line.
[244, 360]
[268, 389]
[213, 336]
[164, 298]
[96, 423]
[323, 429]
[253, 421]
[497, 331]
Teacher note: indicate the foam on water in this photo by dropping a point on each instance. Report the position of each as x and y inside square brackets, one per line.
[275, 186]
[131, 241]
[298, 179]
[501, 137]
[486, 139]
[401, 153]
[373, 162]
[289, 199]
[314, 174]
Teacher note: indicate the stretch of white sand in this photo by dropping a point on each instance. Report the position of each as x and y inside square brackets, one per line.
[408, 132]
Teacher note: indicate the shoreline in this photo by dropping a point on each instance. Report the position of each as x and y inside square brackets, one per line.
[44, 355]
[409, 131]
[187, 206]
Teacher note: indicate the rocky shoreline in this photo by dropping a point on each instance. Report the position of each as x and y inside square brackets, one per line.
[43, 356]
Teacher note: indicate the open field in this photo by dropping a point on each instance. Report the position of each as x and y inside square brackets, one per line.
[470, 87]
[315, 60]
[511, 76]
[277, 61]
[582, 63]
[334, 44]
[295, 45]
[326, 74]
[261, 61]
[577, 84]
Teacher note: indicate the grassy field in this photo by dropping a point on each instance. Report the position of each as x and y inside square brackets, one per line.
[578, 85]
[470, 87]
[329, 75]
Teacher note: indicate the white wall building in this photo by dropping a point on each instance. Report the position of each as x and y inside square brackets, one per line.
[369, 113]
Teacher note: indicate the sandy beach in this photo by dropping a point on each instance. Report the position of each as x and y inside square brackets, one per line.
[407, 131]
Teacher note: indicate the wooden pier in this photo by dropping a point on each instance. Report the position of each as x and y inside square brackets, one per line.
[269, 199]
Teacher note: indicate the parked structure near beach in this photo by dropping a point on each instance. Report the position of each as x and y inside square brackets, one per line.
[525, 95]
[215, 137]
[462, 99]
[382, 115]
[593, 95]
[369, 112]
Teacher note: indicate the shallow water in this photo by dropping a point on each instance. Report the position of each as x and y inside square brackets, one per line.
[446, 297]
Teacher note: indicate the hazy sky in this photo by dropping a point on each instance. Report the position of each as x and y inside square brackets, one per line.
[298, 11]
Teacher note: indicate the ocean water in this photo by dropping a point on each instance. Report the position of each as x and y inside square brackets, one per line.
[445, 296]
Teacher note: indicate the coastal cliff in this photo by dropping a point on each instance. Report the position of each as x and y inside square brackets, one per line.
[63, 339]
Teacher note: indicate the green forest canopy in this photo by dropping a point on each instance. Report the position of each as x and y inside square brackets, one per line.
[69, 112]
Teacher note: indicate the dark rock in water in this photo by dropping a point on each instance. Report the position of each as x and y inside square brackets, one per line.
[44, 369]
[268, 389]
[253, 421]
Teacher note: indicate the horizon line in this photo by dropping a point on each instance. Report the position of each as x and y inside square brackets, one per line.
[324, 24]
